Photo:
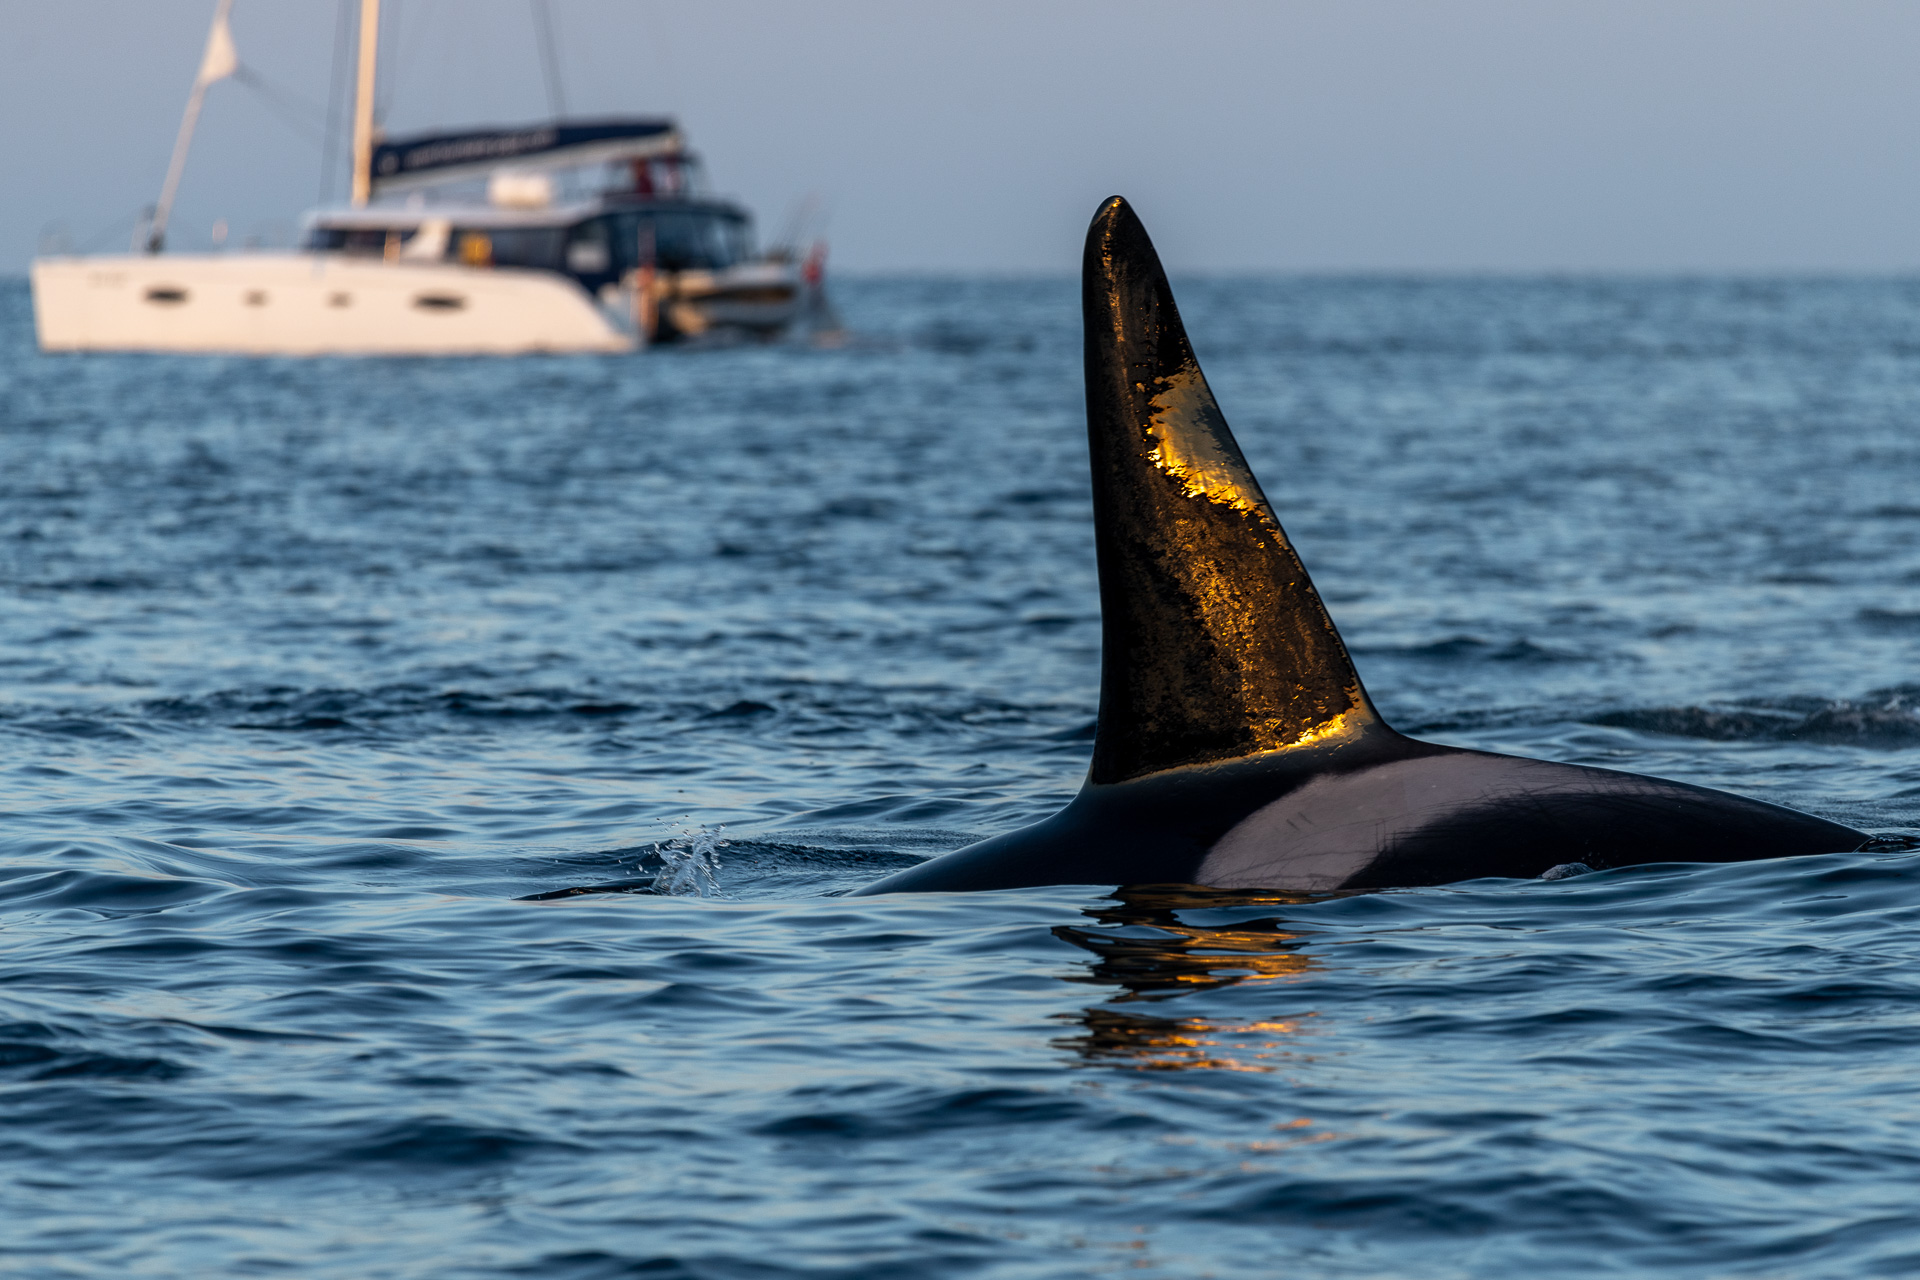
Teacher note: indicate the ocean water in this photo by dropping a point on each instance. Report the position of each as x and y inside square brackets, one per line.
[322, 683]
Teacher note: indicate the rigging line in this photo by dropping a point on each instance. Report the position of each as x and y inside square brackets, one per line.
[336, 92]
[549, 59]
[283, 106]
[661, 42]
[403, 34]
[388, 37]
[313, 112]
[93, 242]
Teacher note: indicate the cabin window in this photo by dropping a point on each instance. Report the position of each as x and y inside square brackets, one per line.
[439, 301]
[683, 240]
[166, 295]
[680, 239]
[738, 237]
[371, 241]
[528, 247]
[588, 257]
[587, 252]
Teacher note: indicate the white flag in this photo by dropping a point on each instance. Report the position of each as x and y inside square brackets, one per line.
[220, 61]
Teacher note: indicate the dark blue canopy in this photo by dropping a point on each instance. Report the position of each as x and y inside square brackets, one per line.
[441, 157]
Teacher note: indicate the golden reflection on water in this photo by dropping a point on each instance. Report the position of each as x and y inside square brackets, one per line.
[1160, 957]
[1122, 1038]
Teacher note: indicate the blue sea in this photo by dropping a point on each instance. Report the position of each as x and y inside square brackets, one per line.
[323, 682]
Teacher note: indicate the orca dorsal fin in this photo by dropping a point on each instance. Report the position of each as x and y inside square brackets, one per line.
[1214, 644]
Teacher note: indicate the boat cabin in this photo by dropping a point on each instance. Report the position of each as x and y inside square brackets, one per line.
[649, 214]
[595, 243]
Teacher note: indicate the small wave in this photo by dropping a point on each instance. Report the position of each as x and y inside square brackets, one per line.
[105, 1066]
[856, 508]
[800, 706]
[442, 1142]
[1844, 724]
[285, 708]
[1864, 726]
[1465, 648]
[744, 707]
[1031, 497]
[598, 1264]
[33, 1053]
[78, 727]
[106, 892]
[758, 868]
[929, 1113]
[581, 890]
[952, 340]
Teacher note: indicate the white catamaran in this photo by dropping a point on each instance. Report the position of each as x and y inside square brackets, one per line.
[649, 258]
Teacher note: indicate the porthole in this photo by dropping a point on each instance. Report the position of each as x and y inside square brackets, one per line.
[166, 295]
[439, 301]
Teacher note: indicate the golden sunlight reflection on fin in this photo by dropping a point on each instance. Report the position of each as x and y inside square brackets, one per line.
[1189, 448]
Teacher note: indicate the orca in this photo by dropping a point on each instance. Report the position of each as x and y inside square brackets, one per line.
[1236, 747]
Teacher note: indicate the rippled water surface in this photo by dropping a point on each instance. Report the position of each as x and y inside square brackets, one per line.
[316, 673]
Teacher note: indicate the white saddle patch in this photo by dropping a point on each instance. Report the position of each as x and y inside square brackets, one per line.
[1319, 836]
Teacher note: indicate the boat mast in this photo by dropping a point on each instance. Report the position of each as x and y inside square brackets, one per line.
[363, 102]
[549, 64]
[217, 63]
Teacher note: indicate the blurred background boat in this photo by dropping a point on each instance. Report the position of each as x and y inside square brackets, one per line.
[564, 235]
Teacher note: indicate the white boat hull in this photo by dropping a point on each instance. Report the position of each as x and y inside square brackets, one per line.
[310, 304]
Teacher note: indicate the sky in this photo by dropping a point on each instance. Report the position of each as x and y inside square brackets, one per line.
[1284, 135]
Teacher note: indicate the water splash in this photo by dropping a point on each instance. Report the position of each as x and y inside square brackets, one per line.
[691, 863]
